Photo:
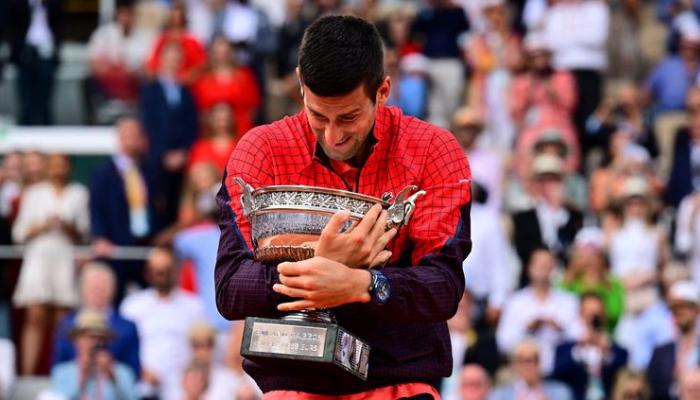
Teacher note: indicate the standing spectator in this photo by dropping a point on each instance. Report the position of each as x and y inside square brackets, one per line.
[474, 383]
[169, 117]
[543, 100]
[192, 57]
[687, 238]
[163, 315]
[631, 385]
[33, 167]
[492, 56]
[117, 52]
[627, 61]
[34, 33]
[528, 382]
[218, 140]
[410, 91]
[53, 216]
[670, 361]
[589, 366]
[589, 271]
[685, 170]
[97, 286]
[577, 31]
[667, 88]
[289, 38]
[226, 81]
[690, 384]
[121, 203]
[540, 310]
[8, 365]
[438, 28]
[93, 373]
[195, 382]
[10, 190]
[550, 222]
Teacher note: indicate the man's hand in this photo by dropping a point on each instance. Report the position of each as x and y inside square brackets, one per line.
[102, 247]
[363, 246]
[321, 283]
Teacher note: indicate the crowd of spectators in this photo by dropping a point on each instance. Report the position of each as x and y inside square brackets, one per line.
[580, 119]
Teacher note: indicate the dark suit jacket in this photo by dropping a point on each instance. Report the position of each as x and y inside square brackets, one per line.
[124, 347]
[168, 128]
[660, 372]
[528, 236]
[574, 374]
[109, 209]
[17, 24]
[680, 182]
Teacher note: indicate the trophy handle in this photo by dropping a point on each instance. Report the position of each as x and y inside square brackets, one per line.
[400, 212]
[247, 197]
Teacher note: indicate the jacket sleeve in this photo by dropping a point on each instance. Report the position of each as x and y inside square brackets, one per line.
[243, 285]
[428, 287]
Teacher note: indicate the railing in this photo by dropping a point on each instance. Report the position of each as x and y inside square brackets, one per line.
[15, 252]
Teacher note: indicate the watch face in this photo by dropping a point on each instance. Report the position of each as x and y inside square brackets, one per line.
[382, 290]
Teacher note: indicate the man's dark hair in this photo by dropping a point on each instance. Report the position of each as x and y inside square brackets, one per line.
[339, 53]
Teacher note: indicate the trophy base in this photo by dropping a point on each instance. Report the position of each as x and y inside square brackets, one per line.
[265, 339]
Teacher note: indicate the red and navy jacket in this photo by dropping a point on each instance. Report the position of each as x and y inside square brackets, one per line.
[408, 335]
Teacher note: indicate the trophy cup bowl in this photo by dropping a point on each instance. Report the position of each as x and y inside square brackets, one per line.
[286, 221]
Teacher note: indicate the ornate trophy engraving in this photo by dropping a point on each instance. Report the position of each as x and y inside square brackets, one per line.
[285, 222]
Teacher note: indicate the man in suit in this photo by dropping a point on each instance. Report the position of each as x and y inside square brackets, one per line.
[33, 31]
[685, 170]
[121, 203]
[528, 382]
[97, 290]
[169, 117]
[550, 222]
[670, 361]
[591, 363]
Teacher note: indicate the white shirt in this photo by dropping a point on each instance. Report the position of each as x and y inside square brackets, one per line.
[7, 367]
[523, 307]
[109, 43]
[240, 23]
[488, 269]
[487, 169]
[577, 32]
[39, 33]
[688, 235]
[634, 248]
[163, 325]
[550, 220]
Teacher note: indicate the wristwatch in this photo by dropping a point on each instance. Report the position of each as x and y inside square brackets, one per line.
[379, 288]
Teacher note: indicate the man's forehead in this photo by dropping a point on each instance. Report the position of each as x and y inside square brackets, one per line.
[336, 105]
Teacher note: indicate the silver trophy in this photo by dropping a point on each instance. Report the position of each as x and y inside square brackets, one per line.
[286, 222]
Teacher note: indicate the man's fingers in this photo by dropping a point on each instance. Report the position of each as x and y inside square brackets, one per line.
[299, 282]
[379, 226]
[296, 305]
[334, 225]
[368, 221]
[381, 259]
[290, 291]
[383, 240]
[290, 268]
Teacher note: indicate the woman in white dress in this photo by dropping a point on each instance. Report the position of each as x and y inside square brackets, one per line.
[53, 216]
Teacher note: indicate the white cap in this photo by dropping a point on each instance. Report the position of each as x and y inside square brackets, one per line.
[684, 291]
[635, 186]
[492, 3]
[547, 164]
[590, 236]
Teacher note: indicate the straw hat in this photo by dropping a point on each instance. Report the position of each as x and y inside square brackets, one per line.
[92, 323]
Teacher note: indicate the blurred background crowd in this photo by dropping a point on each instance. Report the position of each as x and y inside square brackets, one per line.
[580, 118]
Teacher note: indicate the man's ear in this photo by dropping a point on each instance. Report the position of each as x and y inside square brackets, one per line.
[383, 91]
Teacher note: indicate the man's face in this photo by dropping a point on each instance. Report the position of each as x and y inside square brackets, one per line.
[97, 291]
[161, 270]
[526, 363]
[541, 267]
[343, 123]
[132, 141]
[474, 383]
[685, 314]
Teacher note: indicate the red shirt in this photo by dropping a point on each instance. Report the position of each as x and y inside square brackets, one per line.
[408, 335]
[203, 150]
[193, 54]
[240, 91]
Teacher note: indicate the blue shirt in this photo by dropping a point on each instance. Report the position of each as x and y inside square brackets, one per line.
[65, 379]
[200, 244]
[669, 83]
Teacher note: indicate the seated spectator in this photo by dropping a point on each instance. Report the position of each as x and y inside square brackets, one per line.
[589, 365]
[670, 361]
[489, 266]
[486, 164]
[685, 170]
[638, 247]
[493, 55]
[218, 140]
[222, 382]
[690, 384]
[53, 216]
[528, 382]
[226, 81]
[550, 221]
[8, 366]
[121, 203]
[117, 52]
[163, 315]
[195, 382]
[93, 373]
[97, 286]
[410, 82]
[193, 54]
[631, 385]
[541, 311]
[545, 141]
[474, 383]
[169, 116]
[33, 167]
[687, 237]
[589, 271]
